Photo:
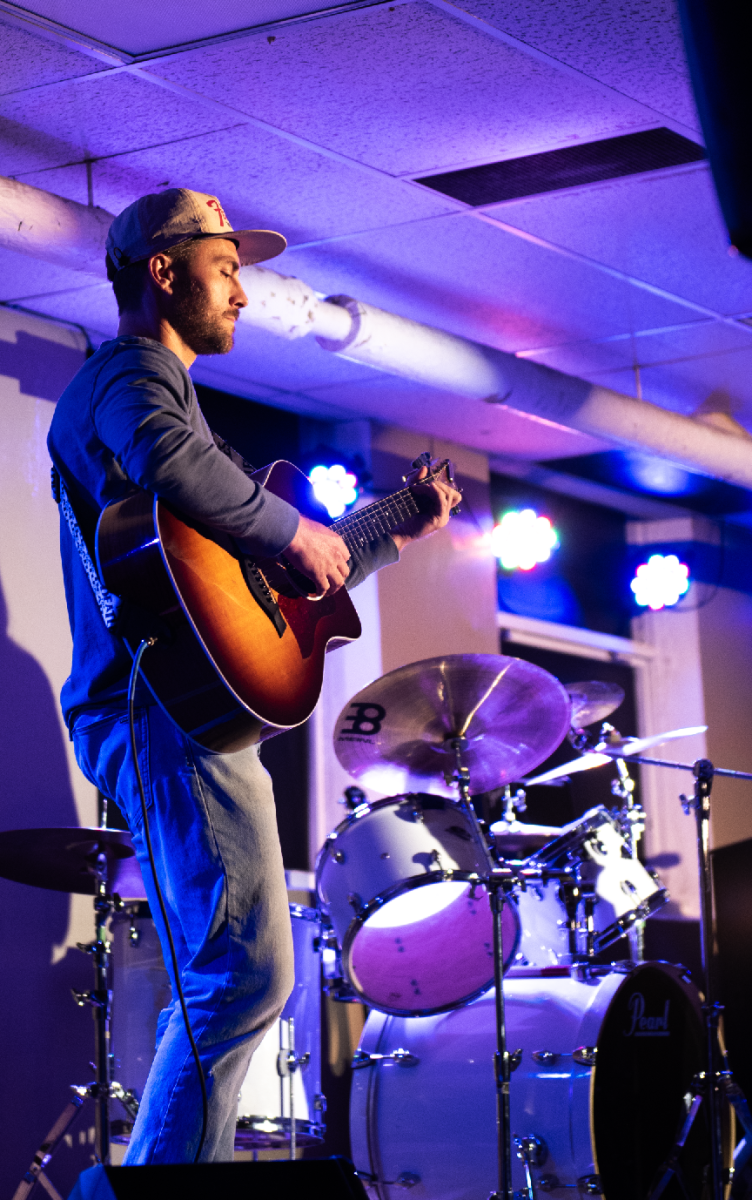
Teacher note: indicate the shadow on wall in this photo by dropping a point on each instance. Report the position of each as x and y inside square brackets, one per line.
[42, 367]
[46, 1042]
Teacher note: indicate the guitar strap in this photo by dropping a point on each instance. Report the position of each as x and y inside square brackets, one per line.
[108, 604]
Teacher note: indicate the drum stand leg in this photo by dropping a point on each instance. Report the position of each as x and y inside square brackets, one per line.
[712, 1081]
[103, 1089]
[502, 1064]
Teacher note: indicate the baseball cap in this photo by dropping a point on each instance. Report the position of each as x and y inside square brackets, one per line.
[160, 220]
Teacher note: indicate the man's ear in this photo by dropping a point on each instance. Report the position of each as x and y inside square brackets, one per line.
[162, 272]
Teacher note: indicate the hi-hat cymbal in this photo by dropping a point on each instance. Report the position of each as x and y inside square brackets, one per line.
[61, 859]
[614, 749]
[395, 734]
[593, 701]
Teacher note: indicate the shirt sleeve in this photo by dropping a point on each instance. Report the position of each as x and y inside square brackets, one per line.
[369, 558]
[142, 408]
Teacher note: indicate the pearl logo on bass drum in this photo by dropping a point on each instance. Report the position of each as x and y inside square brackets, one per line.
[642, 1026]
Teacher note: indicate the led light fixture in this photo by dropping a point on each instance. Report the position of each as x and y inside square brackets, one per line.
[522, 539]
[334, 487]
[660, 582]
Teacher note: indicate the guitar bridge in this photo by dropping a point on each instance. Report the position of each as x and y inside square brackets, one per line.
[259, 589]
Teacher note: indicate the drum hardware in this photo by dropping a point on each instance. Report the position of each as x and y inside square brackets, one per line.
[533, 1152]
[288, 1062]
[403, 1058]
[83, 861]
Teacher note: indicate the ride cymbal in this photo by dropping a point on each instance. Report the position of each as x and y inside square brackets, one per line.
[395, 735]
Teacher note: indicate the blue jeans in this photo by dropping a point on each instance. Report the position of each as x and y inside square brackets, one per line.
[214, 831]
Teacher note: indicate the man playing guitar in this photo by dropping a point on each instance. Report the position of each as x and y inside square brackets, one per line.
[131, 417]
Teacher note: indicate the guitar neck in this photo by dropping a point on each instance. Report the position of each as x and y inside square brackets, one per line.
[359, 528]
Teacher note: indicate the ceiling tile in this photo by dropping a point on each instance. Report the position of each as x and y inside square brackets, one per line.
[636, 48]
[494, 289]
[645, 348]
[69, 182]
[93, 307]
[22, 277]
[140, 26]
[267, 182]
[684, 386]
[117, 113]
[489, 428]
[407, 90]
[666, 230]
[29, 61]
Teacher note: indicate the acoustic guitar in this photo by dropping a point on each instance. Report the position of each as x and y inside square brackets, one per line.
[241, 641]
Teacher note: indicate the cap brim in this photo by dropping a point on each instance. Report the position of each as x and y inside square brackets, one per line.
[256, 245]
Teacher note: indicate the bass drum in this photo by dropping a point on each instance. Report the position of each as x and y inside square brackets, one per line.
[604, 1083]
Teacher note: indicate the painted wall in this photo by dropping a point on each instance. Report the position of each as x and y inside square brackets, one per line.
[45, 1040]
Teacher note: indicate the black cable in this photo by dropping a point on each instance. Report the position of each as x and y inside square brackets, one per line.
[144, 645]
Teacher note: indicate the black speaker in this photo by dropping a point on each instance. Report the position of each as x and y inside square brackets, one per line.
[718, 40]
[328, 1178]
[732, 884]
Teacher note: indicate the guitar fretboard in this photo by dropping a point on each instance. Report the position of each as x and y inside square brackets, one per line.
[359, 528]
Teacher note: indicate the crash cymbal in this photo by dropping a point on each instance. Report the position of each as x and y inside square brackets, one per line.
[614, 749]
[395, 734]
[593, 701]
[60, 859]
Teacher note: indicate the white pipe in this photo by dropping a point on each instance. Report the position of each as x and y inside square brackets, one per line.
[46, 226]
[61, 231]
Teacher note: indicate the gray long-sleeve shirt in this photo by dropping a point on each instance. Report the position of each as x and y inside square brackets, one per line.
[130, 416]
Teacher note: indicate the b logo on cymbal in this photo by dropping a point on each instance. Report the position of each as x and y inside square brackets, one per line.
[365, 719]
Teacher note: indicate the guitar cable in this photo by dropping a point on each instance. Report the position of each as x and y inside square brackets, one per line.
[143, 646]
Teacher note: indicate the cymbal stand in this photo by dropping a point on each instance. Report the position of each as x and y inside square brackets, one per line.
[103, 1089]
[502, 1058]
[713, 1080]
[632, 822]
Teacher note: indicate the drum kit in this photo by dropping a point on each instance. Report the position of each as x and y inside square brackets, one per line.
[500, 1051]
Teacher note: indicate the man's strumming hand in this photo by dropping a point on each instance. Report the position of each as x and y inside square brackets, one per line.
[320, 554]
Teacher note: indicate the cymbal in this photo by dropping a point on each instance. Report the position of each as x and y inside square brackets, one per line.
[615, 749]
[518, 839]
[61, 859]
[593, 701]
[395, 734]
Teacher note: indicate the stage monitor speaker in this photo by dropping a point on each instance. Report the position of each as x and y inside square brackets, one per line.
[325, 1178]
[718, 40]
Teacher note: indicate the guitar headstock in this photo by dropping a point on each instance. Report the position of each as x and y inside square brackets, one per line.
[435, 469]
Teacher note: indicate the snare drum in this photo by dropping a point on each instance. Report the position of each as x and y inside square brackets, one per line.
[604, 1083]
[398, 881]
[624, 891]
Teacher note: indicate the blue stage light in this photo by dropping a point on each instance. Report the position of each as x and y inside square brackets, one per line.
[522, 539]
[335, 487]
[660, 582]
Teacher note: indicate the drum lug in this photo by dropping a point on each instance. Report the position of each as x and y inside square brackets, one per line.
[590, 1185]
[356, 903]
[585, 1056]
[531, 1149]
[545, 1057]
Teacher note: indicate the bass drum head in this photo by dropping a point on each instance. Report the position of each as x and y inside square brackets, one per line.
[649, 1050]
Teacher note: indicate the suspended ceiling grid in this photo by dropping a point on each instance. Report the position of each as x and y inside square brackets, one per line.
[318, 127]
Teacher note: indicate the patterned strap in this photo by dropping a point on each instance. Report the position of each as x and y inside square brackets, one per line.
[109, 605]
